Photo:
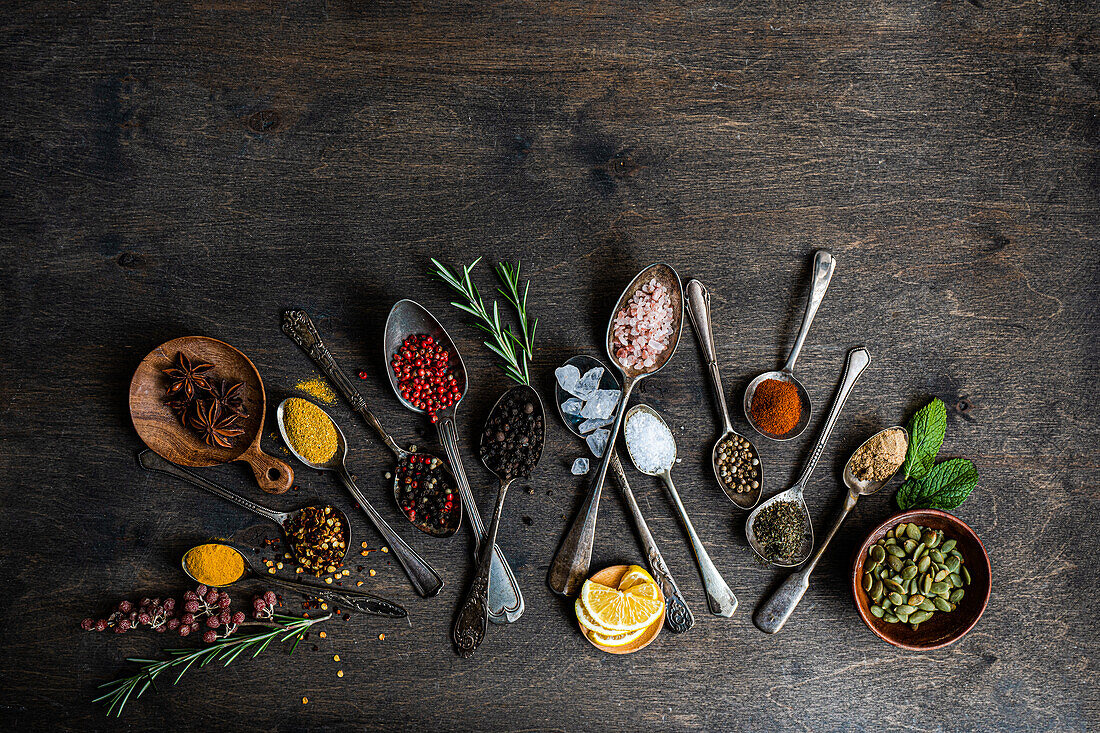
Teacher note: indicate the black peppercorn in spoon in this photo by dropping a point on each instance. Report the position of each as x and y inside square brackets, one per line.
[152, 461]
[511, 445]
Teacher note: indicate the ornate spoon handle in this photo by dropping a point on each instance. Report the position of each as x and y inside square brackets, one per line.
[473, 617]
[151, 461]
[678, 616]
[355, 600]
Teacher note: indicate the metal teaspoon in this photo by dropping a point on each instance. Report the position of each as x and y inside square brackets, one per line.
[353, 599]
[424, 579]
[720, 599]
[408, 317]
[152, 461]
[300, 329]
[473, 615]
[857, 361]
[770, 615]
[569, 567]
[678, 617]
[824, 264]
[698, 302]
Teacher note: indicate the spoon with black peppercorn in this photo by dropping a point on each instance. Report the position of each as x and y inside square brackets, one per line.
[735, 460]
[151, 461]
[772, 614]
[425, 580]
[824, 264]
[857, 361]
[511, 445]
[352, 599]
[406, 318]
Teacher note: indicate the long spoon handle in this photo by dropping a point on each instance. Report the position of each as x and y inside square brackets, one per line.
[678, 616]
[569, 567]
[720, 599]
[505, 598]
[824, 264]
[772, 614]
[473, 616]
[354, 600]
[698, 301]
[298, 326]
[424, 579]
[858, 359]
[151, 461]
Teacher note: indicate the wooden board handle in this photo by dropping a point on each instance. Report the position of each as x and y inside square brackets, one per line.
[273, 476]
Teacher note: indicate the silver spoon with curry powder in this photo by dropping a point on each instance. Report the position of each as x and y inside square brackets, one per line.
[772, 614]
[151, 461]
[519, 410]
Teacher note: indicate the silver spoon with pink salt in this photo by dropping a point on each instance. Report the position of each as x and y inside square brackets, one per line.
[641, 337]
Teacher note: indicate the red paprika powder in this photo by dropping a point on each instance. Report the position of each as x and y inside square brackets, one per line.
[775, 407]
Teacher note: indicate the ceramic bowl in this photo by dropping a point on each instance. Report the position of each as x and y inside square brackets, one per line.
[943, 628]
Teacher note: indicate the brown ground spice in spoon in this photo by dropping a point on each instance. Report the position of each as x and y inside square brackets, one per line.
[775, 406]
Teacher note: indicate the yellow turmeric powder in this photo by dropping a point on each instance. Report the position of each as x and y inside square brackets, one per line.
[214, 565]
[318, 389]
[309, 430]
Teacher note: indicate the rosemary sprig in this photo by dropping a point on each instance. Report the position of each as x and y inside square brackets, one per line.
[120, 691]
[515, 351]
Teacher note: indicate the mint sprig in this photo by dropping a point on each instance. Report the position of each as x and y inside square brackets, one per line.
[931, 485]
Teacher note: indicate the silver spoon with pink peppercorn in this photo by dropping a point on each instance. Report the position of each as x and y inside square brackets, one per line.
[569, 567]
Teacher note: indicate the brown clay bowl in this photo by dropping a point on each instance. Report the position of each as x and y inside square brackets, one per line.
[611, 576]
[943, 628]
[162, 431]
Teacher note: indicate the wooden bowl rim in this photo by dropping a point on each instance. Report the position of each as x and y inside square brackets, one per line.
[642, 641]
[914, 515]
[207, 452]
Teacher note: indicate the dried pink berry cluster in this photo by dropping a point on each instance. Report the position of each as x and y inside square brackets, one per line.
[643, 328]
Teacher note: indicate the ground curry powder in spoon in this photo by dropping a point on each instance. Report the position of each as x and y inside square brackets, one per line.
[214, 565]
[310, 431]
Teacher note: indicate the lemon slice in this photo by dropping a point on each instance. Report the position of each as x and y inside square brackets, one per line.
[618, 611]
[635, 575]
[644, 590]
[587, 622]
[614, 640]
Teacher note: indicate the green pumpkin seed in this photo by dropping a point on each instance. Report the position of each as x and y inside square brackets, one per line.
[889, 534]
[889, 618]
[919, 552]
[895, 562]
[925, 561]
[949, 545]
[936, 555]
[941, 603]
[901, 616]
[892, 584]
[913, 532]
[877, 553]
[919, 617]
[867, 582]
[953, 564]
[926, 584]
[915, 600]
[904, 608]
[890, 542]
[928, 538]
[895, 551]
[926, 605]
[909, 546]
[940, 575]
[941, 589]
[872, 568]
[955, 580]
[876, 590]
[885, 603]
[877, 611]
[956, 595]
[909, 572]
[896, 598]
[900, 529]
[965, 575]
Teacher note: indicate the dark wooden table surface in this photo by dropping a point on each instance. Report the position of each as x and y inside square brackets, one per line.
[195, 168]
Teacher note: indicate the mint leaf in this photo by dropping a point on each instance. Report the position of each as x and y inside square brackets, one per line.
[927, 429]
[945, 487]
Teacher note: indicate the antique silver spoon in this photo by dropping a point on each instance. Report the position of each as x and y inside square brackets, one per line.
[151, 461]
[824, 264]
[298, 326]
[407, 317]
[473, 615]
[678, 617]
[569, 567]
[720, 599]
[857, 361]
[424, 579]
[698, 302]
[778, 607]
[353, 599]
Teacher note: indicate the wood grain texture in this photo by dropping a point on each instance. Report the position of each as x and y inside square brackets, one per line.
[196, 168]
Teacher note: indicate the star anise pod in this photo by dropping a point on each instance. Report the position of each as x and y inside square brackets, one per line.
[187, 377]
[179, 408]
[214, 427]
[230, 397]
